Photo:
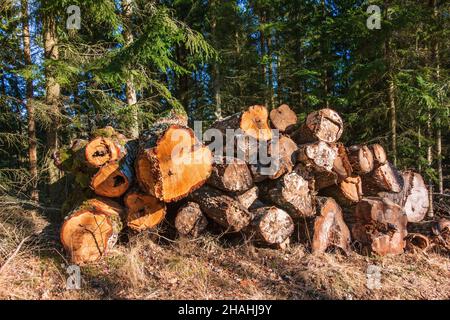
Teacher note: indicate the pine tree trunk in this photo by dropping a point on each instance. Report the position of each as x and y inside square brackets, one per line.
[53, 91]
[32, 145]
[130, 91]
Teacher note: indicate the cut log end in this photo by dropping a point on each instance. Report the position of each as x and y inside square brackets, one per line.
[322, 125]
[272, 225]
[379, 155]
[190, 221]
[110, 181]
[254, 123]
[330, 229]
[231, 174]
[176, 166]
[143, 211]
[91, 230]
[283, 118]
[100, 151]
[361, 159]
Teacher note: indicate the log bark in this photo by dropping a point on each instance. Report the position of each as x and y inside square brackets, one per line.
[379, 155]
[91, 230]
[347, 192]
[413, 197]
[190, 221]
[172, 162]
[283, 118]
[271, 226]
[143, 211]
[327, 228]
[361, 159]
[380, 226]
[221, 208]
[231, 174]
[322, 125]
[252, 122]
[383, 178]
[292, 193]
[113, 179]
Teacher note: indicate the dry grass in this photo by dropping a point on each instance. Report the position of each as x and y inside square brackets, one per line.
[204, 269]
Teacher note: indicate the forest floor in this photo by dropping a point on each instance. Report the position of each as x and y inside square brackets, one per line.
[207, 268]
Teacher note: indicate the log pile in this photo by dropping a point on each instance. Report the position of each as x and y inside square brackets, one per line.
[326, 195]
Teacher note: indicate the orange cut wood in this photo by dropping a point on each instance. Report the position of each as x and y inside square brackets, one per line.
[111, 181]
[91, 230]
[143, 211]
[172, 162]
[253, 122]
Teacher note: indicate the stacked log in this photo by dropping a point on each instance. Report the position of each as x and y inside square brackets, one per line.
[331, 194]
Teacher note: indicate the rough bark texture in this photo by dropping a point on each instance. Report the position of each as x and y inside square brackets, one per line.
[283, 118]
[384, 178]
[221, 208]
[271, 225]
[292, 193]
[172, 162]
[413, 198]
[52, 92]
[31, 122]
[361, 159]
[91, 230]
[190, 221]
[380, 226]
[231, 174]
[322, 125]
[143, 211]
[327, 228]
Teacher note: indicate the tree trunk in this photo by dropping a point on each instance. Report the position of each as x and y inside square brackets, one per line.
[221, 208]
[143, 211]
[32, 143]
[190, 221]
[91, 230]
[130, 91]
[172, 162]
[53, 90]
